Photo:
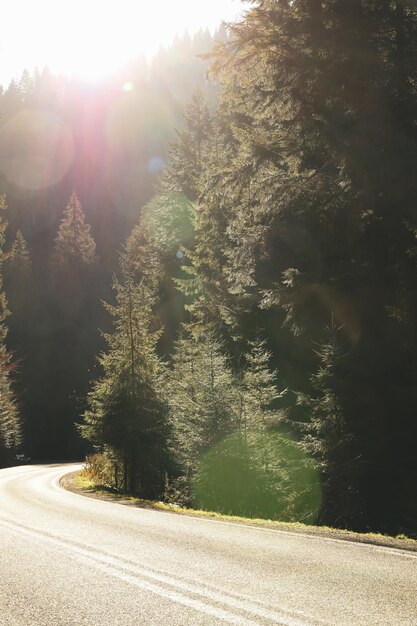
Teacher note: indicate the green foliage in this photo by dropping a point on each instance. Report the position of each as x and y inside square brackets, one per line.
[230, 455]
[156, 255]
[155, 246]
[255, 470]
[169, 221]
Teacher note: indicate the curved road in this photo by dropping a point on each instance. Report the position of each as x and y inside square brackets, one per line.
[68, 560]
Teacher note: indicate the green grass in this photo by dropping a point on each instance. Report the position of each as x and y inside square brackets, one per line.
[86, 484]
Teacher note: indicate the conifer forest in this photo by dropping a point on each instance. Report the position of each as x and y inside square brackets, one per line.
[208, 268]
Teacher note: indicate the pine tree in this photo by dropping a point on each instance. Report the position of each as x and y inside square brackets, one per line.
[18, 257]
[74, 244]
[126, 418]
[18, 280]
[270, 464]
[328, 436]
[259, 389]
[201, 397]
[204, 281]
[156, 251]
[187, 154]
[226, 438]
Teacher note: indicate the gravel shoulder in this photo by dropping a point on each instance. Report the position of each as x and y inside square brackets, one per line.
[69, 482]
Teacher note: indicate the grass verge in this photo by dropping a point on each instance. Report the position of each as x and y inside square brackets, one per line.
[79, 483]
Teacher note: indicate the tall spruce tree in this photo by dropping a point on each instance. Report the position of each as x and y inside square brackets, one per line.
[74, 244]
[125, 418]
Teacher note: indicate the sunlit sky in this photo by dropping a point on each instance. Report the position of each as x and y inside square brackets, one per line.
[90, 38]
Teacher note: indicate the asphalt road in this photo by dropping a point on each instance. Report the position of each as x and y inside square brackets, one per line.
[68, 560]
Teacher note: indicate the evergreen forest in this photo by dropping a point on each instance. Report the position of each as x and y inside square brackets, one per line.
[208, 282]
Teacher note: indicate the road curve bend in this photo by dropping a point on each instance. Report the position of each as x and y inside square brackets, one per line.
[68, 560]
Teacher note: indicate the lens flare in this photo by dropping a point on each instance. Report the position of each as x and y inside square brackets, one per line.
[36, 149]
[155, 165]
[259, 474]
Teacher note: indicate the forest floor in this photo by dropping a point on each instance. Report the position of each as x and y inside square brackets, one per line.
[76, 483]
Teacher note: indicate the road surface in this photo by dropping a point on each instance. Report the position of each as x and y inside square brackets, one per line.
[69, 560]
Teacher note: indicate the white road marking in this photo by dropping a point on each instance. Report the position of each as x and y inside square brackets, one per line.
[135, 575]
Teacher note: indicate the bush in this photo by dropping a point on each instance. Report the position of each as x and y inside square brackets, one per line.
[101, 470]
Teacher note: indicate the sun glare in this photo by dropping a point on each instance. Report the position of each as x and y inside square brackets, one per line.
[100, 38]
[93, 38]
